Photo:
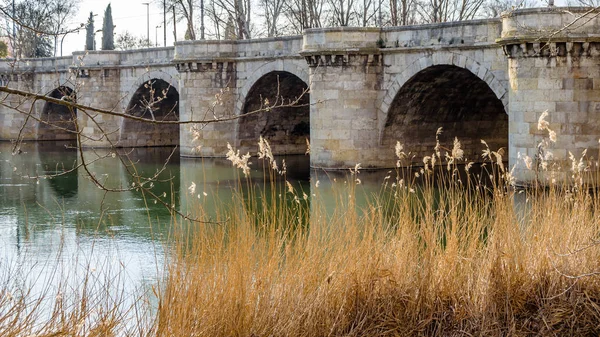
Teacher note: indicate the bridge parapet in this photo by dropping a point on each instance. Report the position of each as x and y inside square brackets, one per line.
[229, 49]
[41, 65]
[449, 34]
[551, 23]
[149, 56]
[97, 58]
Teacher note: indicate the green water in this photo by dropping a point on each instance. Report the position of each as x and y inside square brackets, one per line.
[56, 229]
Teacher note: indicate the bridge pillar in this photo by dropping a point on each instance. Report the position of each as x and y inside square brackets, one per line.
[206, 93]
[345, 80]
[554, 66]
[99, 86]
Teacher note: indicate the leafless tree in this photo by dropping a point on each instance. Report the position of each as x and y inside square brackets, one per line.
[184, 11]
[342, 12]
[272, 10]
[402, 12]
[305, 14]
[31, 25]
[62, 11]
[493, 8]
[239, 11]
[434, 11]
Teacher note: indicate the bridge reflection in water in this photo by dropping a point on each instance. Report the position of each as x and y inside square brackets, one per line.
[47, 224]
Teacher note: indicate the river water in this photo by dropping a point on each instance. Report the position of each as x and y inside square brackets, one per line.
[64, 229]
[53, 230]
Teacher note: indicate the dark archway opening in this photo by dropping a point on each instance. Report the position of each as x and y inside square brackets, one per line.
[58, 121]
[285, 128]
[158, 101]
[454, 99]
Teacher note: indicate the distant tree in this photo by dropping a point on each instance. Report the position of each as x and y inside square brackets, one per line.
[493, 8]
[108, 40]
[33, 27]
[184, 10]
[126, 41]
[272, 10]
[89, 33]
[3, 49]
[61, 11]
[303, 14]
[144, 42]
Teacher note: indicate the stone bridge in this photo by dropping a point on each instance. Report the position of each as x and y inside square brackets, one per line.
[354, 92]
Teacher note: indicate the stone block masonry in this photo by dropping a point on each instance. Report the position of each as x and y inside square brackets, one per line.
[368, 89]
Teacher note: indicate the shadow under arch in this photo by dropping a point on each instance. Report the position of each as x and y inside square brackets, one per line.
[452, 98]
[58, 121]
[287, 129]
[155, 100]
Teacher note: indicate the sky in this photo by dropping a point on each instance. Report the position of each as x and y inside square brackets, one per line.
[131, 15]
[128, 15]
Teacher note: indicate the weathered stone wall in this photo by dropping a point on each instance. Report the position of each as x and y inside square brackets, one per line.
[102, 79]
[217, 77]
[353, 97]
[345, 80]
[554, 66]
[369, 88]
[37, 75]
[463, 101]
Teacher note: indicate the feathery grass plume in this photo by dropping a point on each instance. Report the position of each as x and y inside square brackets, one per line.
[400, 154]
[237, 160]
[437, 143]
[542, 122]
[307, 147]
[457, 151]
[192, 188]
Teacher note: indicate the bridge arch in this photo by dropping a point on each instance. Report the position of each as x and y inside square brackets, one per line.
[286, 128]
[141, 80]
[459, 95]
[155, 99]
[279, 65]
[57, 122]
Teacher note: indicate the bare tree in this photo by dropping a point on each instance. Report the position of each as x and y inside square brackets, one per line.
[272, 11]
[36, 23]
[342, 11]
[62, 11]
[240, 11]
[433, 11]
[493, 8]
[184, 11]
[367, 12]
[402, 12]
[218, 17]
[305, 14]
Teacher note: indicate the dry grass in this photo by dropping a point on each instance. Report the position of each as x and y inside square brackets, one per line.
[433, 255]
[455, 260]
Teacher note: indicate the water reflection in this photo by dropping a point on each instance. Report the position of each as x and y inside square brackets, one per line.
[39, 217]
[59, 160]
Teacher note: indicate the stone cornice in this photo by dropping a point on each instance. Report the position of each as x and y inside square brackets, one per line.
[552, 49]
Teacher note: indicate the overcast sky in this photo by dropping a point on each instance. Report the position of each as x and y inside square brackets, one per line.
[128, 15]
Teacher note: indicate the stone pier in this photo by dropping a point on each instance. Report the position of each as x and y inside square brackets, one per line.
[368, 89]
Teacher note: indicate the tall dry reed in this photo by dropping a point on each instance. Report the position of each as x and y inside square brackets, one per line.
[434, 253]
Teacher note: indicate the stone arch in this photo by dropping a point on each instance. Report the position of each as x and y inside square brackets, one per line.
[279, 65]
[446, 95]
[57, 122]
[285, 128]
[439, 58]
[141, 80]
[155, 99]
